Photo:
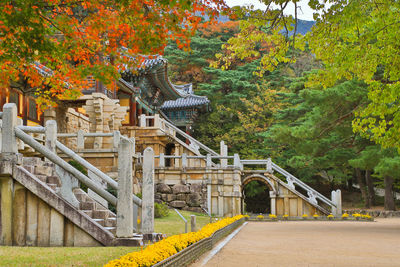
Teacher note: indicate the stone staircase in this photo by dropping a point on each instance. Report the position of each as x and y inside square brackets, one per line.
[97, 213]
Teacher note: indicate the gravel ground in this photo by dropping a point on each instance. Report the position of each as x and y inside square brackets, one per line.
[312, 244]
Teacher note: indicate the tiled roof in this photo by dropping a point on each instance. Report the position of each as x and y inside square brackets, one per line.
[185, 102]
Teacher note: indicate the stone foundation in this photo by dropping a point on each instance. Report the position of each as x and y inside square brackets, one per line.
[191, 197]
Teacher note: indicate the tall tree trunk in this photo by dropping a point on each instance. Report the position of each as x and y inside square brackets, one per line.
[361, 183]
[370, 187]
[389, 199]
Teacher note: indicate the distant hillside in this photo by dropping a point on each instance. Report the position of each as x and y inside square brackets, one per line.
[303, 26]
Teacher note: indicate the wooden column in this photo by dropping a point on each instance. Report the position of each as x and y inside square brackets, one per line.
[24, 110]
[132, 112]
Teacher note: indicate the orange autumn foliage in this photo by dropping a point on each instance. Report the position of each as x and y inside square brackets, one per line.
[75, 39]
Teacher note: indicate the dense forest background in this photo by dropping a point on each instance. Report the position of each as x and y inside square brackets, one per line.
[305, 129]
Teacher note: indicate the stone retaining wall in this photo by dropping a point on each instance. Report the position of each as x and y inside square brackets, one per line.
[191, 197]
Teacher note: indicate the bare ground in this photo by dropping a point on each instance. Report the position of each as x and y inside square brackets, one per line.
[312, 244]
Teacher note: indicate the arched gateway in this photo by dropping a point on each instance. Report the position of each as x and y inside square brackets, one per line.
[267, 181]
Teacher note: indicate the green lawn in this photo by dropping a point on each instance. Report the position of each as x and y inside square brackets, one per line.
[96, 256]
[173, 224]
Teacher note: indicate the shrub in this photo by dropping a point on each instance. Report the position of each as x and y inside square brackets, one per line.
[160, 210]
[82, 169]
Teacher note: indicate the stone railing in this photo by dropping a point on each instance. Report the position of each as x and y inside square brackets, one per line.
[80, 136]
[221, 160]
[126, 202]
[313, 196]
[194, 251]
[187, 161]
[180, 136]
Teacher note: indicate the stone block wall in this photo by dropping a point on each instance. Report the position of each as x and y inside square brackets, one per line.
[26, 220]
[191, 197]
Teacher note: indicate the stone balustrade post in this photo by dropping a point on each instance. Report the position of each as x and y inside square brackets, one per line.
[20, 143]
[125, 190]
[208, 161]
[80, 139]
[9, 150]
[269, 165]
[339, 202]
[133, 140]
[224, 153]
[143, 120]
[272, 196]
[184, 160]
[9, 146]
[236, 161]
[161, 163]
[157, 122]
[116, 139]
[51, 135]
[148, 192]
[192, 223]
[333, 198]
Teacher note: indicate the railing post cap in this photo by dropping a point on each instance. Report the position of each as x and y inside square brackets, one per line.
[9, 105]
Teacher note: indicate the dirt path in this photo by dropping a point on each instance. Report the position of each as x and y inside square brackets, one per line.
[312, 244]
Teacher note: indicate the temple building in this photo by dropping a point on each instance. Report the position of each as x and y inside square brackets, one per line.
[183, 111]
[148, 90]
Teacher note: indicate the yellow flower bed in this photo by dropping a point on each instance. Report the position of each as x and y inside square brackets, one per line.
[171, 245]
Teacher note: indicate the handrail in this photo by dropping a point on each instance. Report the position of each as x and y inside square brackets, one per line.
[303, 185]
[183, 218]
[254, 161]
[67, 167]
[32, 129]
[93, 169]
[67, 135]
[192, 140]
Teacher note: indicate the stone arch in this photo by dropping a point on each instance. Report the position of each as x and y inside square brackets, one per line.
[270, 185]
[259, 177]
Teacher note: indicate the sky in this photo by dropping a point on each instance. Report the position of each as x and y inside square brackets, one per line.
[305, 13]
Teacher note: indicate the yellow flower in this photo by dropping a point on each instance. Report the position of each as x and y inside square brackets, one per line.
[260, 217]
[330, 216]
[167, 247]
[304, 216]
[315, 215]
[345, 215]
[272, 216]
[285, 216]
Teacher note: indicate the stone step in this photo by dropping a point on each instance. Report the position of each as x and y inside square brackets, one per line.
[29, 168]
[53, 180]
[42, 178]
[113, 230]
[44, 170]
[110, 222]
[100, 214]
[32, 161]
[113, 175]
[129, 242]
[53, 186]
[100, 221]
[81, 197]
[88, 213]
[87, 205]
